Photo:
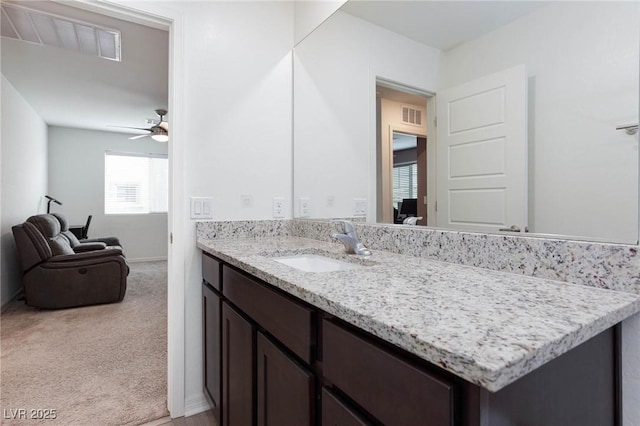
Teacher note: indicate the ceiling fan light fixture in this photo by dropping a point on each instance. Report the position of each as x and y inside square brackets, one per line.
[159, 135]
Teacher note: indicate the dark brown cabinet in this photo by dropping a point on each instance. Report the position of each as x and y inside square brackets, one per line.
[211, 309]
[392, 390]
[273, 360]
[259, 350]
[285, 388]
[237, 369]
[288, 321]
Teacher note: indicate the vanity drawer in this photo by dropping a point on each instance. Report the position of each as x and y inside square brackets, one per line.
[211, 271]
[389, 388]
[288, 321]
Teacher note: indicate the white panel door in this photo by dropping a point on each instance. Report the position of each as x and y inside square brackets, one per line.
[482, 153]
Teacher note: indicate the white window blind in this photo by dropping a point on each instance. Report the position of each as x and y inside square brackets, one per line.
[405, 182]
[135, 183]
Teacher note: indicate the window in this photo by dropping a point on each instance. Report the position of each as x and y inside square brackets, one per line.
[127, 193]
[136, 183]
[405, 182]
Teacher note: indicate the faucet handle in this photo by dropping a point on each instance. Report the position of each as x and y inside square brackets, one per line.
[345, 225]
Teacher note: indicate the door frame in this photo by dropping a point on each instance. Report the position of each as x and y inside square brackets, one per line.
[432, 161]
[375, 131]
[158, 16]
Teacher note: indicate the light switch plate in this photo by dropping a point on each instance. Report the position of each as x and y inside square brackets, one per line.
[201, 208]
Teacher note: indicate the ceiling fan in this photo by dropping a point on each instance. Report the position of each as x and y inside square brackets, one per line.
[158, 132]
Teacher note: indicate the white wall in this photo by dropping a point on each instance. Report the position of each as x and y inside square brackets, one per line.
[583, 82]
[76, 178]
[334, 96]
[238, 92]
[237, 116]
[24, 178]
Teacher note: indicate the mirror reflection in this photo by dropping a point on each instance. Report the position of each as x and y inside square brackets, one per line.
[487, 116]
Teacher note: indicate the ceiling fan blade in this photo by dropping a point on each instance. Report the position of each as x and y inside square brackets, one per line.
[138, 137]
[127, 127]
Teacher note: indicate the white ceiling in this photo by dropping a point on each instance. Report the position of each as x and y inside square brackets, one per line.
[440, 24]
[398, 96]
[74, 90]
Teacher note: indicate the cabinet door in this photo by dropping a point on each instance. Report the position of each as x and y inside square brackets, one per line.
[237, 369]
[212, 349]
[288, 321]
[285, 388]
[336, 413]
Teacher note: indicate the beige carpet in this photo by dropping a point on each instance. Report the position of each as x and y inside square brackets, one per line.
[97, 365]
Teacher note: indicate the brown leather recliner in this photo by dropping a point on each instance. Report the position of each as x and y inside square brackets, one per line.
[80, 246]
[56, 277]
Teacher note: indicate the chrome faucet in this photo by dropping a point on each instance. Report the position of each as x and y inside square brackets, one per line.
[349, 238]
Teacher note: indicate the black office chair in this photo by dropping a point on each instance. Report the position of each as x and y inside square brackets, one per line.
[85, 229]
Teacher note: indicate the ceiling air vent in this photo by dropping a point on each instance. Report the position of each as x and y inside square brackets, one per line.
[42, 28]
[411, 116]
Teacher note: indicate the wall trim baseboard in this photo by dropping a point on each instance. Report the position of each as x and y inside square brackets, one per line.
[6, 304]
[146, 259]
[195, 404]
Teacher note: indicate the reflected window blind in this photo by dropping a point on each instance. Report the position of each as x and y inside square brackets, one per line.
[136, 183]
[405, 182]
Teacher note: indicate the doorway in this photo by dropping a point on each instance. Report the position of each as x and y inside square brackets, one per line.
[409, 177]
[156, 15]
[401, 154]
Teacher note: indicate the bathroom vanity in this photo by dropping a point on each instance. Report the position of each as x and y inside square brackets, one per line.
[400, 340]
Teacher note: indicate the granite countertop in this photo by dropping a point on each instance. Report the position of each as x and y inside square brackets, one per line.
[487, 327]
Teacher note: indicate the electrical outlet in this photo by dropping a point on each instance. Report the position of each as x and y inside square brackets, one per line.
[360, 207]
[331, 201]
[246, 201]
[305, 207]
[278, 207]
[201, 208]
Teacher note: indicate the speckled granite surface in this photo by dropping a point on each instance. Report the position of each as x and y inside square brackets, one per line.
[603, 265]
[211, 230]
[487, 327]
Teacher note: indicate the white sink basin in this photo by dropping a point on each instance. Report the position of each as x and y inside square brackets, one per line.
[315, 263]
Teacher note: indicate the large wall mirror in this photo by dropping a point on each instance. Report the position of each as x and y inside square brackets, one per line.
[473, 115]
